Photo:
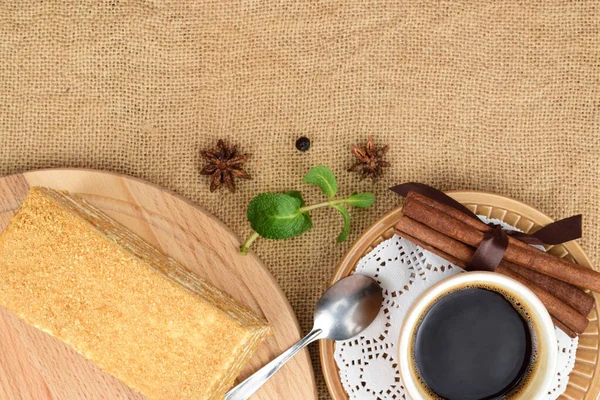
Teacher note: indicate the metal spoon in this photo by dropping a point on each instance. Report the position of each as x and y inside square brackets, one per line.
[346, 309]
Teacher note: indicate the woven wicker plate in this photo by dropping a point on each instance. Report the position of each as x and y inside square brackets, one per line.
[584, 382]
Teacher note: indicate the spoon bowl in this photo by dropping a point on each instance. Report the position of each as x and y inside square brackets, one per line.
[348, 307]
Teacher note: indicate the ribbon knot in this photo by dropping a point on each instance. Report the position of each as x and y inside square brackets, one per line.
[490, 251]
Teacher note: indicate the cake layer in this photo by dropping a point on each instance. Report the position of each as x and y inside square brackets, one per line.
[70, 270]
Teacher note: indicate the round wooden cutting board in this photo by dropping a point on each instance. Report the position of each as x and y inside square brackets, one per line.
[33, 365]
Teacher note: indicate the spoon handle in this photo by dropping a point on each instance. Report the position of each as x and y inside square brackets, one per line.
[256, 380]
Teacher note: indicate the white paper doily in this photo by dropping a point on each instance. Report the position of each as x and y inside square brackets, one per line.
[367, 363]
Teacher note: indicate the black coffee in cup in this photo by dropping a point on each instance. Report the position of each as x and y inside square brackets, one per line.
[474, 343]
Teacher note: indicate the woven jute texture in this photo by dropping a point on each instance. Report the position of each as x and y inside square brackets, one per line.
[498, 96]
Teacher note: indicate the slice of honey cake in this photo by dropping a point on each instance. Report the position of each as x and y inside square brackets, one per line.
[73, 272]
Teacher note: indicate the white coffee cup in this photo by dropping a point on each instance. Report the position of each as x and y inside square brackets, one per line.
[541, 329]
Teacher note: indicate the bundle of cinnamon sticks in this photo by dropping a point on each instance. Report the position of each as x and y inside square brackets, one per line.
[453, 235]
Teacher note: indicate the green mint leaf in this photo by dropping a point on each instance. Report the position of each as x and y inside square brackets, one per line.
[362, 200]
[346, 229]
[277, 216]
[323, 178]
[298, 195]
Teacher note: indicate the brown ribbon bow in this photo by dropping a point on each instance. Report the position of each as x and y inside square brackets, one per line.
[491, 250]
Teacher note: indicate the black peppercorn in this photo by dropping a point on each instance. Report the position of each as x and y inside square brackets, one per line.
[303, 143]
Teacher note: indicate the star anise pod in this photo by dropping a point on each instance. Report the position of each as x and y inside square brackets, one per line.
[224, 164]
[370, 160]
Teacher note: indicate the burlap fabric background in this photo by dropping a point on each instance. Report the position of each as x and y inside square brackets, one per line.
[497, 96]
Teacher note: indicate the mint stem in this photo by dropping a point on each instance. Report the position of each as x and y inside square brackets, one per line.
[244, 248]
[329, 203]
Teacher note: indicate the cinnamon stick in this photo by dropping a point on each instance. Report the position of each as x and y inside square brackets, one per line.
[459, 215]
[459, 254]
[564, 328]
[411, 229]
[571, 295]
[434, 250]
[454, 213]
[526, 256]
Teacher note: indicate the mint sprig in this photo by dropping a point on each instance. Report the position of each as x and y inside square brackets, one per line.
[286, 215]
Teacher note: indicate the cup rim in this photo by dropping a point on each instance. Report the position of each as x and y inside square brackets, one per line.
[542, 319]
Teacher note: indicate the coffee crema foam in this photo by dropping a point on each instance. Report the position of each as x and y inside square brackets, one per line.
[518, 306]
